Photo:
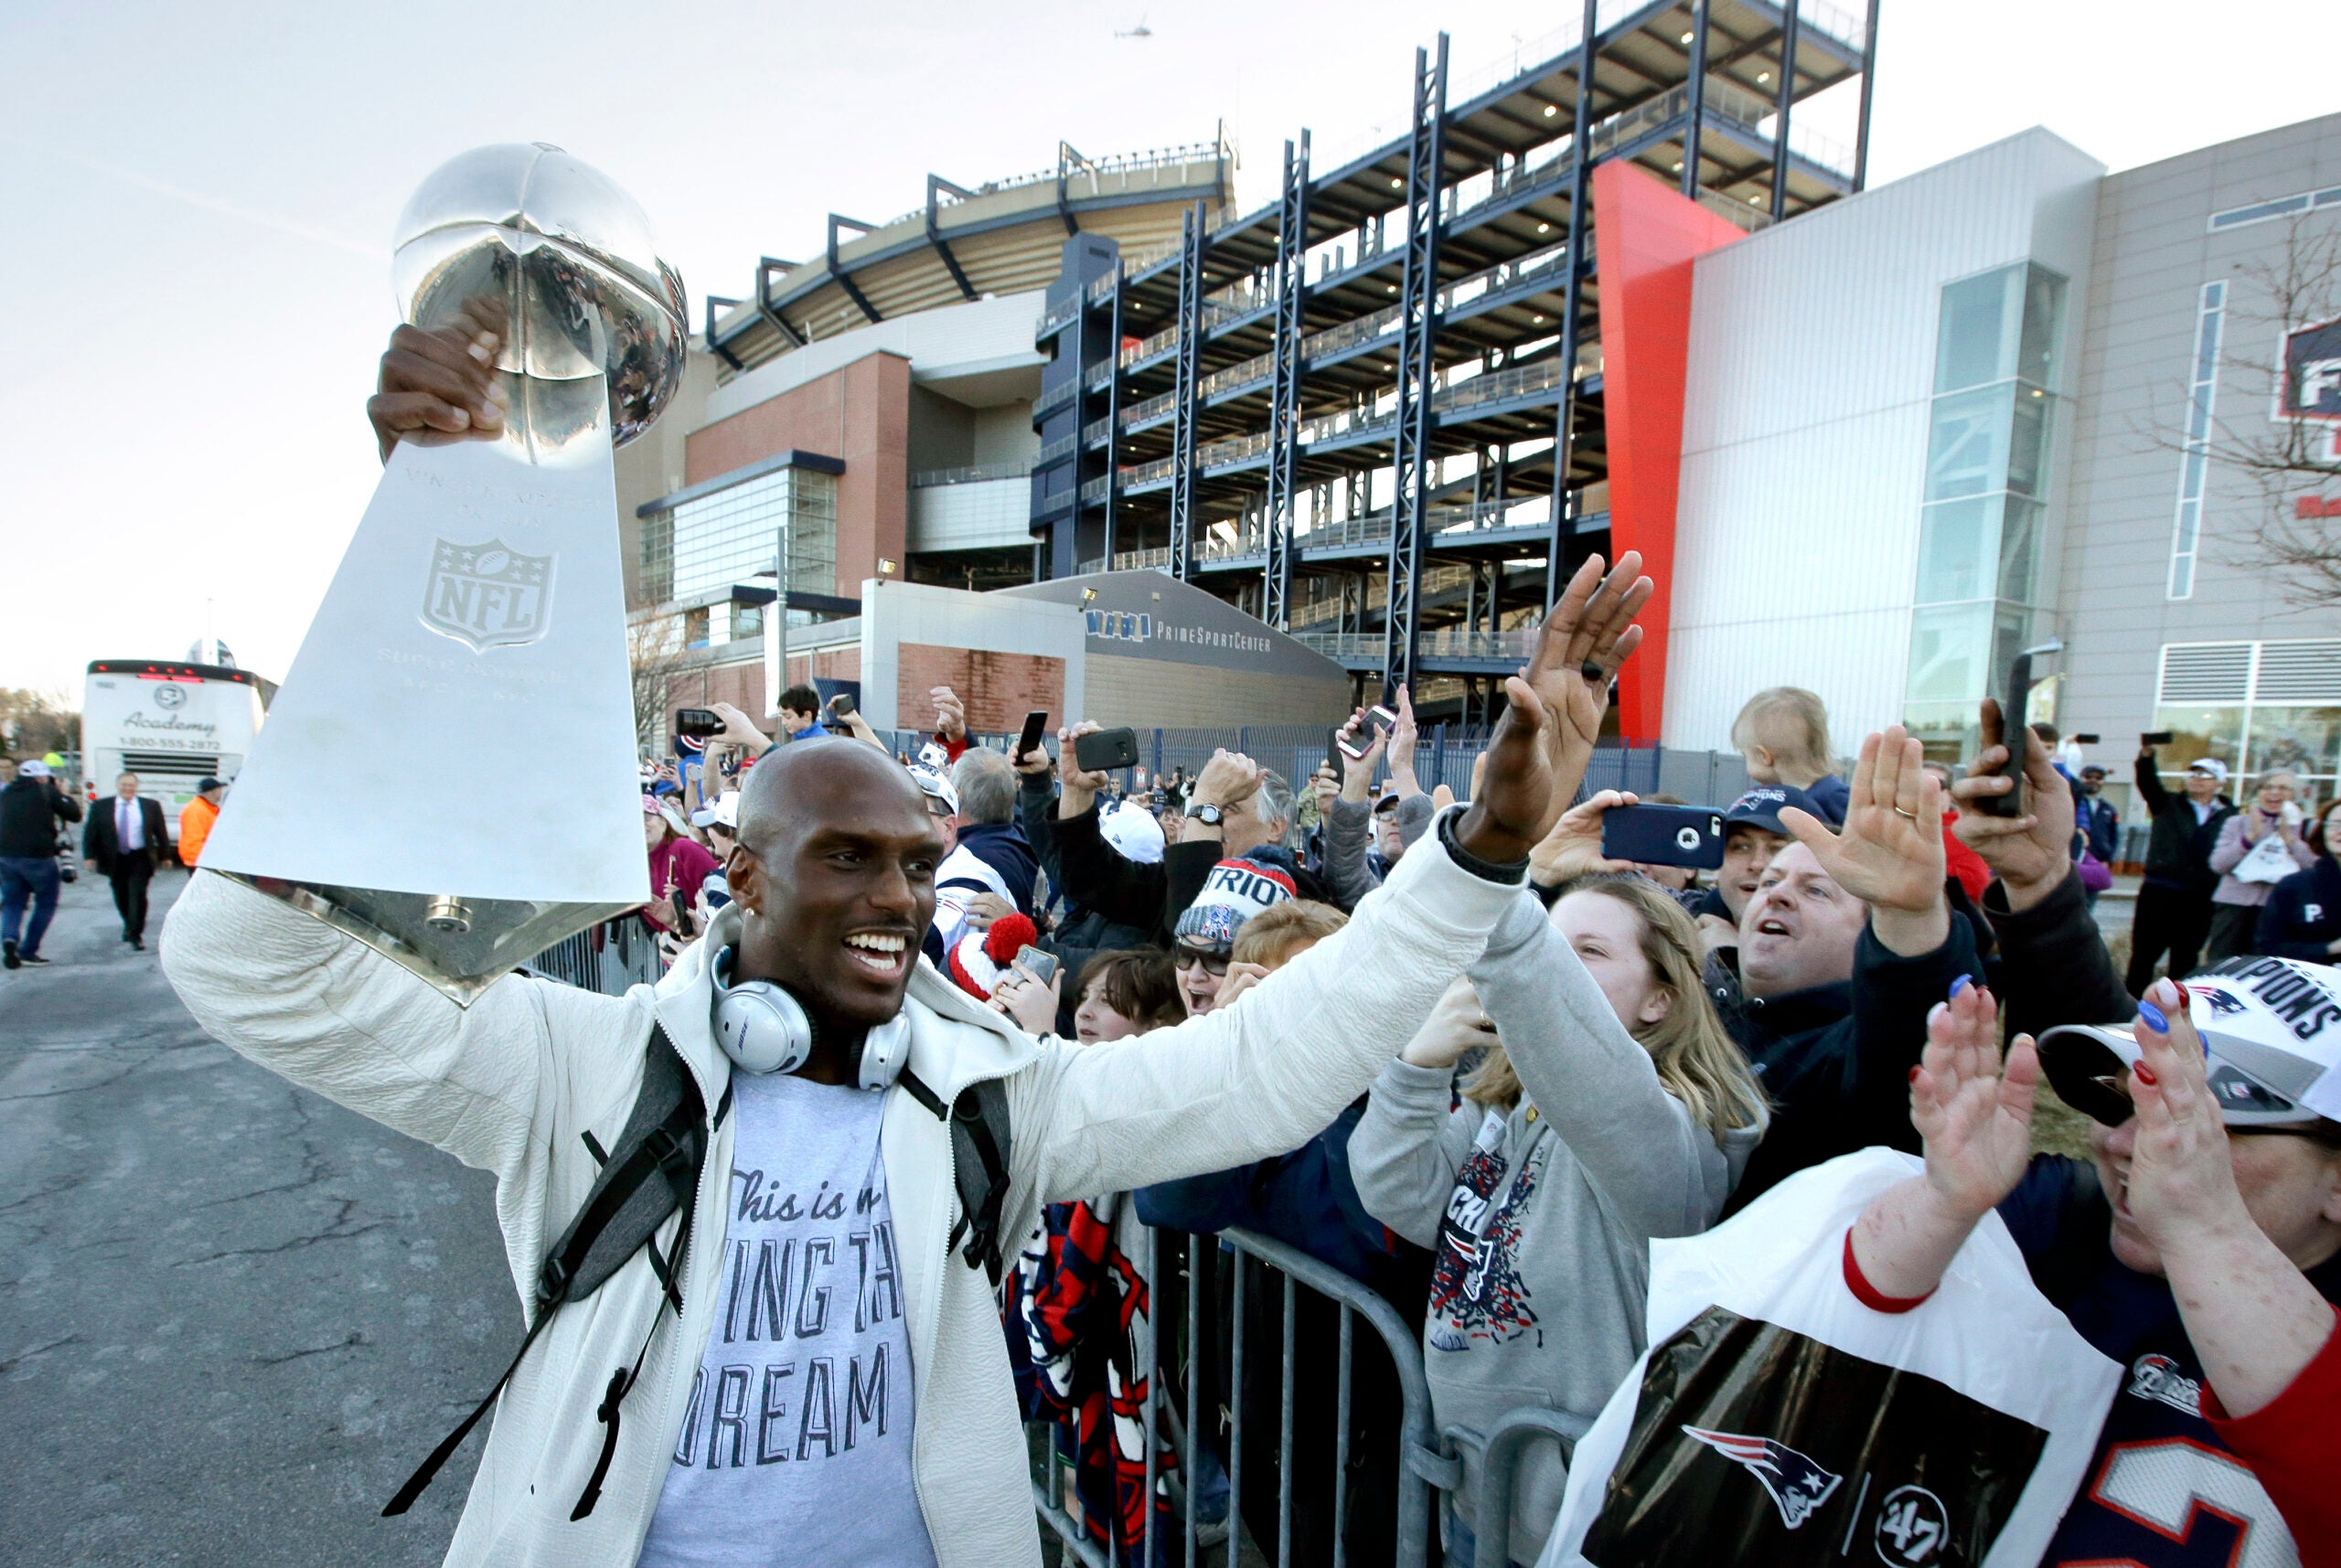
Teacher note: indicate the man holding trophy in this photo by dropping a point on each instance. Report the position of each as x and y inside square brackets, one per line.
[804, 1365]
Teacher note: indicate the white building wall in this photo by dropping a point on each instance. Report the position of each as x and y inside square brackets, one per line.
[990, 334]
[1811, 365]
[984, 514]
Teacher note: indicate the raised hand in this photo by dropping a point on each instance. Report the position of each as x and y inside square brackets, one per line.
[1357, 773]
[950, 713]
[2031, 854]
[441, 386]
[1228, 777]
[1544, 740]
[1889, 853]
[741, 730]
[2182, 1187]
[1081, 786]
[1973, 1113]
[1457, 1023]
[1402, 740]
[1241, 977]
[1026, 998]
[1573, 848]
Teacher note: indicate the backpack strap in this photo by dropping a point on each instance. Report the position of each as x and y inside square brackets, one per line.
[980, 1149]
[651, 1171]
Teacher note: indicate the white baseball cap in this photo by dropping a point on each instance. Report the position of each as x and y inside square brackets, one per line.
[724, 812]
[937, 788]
[1134, 833]
[35, 769]
[2271, 1038]
[2211, 765]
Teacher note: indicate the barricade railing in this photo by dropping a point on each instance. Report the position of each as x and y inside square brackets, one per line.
[608, 957]
[1427, 1460]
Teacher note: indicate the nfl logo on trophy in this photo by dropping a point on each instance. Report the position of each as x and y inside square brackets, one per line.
[487, 595]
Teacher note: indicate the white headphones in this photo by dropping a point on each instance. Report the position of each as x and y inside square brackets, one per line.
[763, 1029]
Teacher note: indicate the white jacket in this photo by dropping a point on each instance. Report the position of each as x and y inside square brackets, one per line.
[510, 1083]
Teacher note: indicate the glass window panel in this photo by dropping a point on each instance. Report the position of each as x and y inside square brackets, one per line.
[2043, 326]
[2199, 732]
[2304, 740]
[1967, 443]
[2182, 577]
[2028, 441]
[1957, 545]
[1973, 344]
[2019, 548]
[1950, 650]
[2206, 335]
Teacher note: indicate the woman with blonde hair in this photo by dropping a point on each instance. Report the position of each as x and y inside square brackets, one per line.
[1608, 1107]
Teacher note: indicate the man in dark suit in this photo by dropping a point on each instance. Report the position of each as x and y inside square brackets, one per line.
[126, 839]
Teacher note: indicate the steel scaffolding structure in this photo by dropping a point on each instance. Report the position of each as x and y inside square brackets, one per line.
[1372, 411]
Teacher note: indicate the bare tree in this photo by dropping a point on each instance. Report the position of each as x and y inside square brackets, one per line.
[656, 654]
[34, 722]
[2292, 539]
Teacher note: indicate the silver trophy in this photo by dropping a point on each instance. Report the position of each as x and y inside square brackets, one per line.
[473, 642]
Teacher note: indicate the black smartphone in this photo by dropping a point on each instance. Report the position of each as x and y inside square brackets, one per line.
[2087, 740]
[1028, 740]
[697, 723]
[1103, 750]
[2015, 735]
[682, 915]
[2153, 738]
[1663, 836]
[1042, 965]
[841, 704]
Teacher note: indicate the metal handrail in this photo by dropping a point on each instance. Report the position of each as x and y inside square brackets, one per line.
[976, 472]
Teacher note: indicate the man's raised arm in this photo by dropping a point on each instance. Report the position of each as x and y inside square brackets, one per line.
[1266, 1075]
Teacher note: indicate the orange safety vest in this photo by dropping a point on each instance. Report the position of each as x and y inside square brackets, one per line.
[195, 818]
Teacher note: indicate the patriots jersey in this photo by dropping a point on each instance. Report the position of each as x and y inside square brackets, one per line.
[2162, 1491]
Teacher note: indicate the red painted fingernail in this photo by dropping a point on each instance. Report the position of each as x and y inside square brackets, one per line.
[2143, 1074]
[1914, 1075]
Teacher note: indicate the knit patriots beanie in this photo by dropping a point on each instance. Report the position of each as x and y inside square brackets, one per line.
[1235, 890]
[983, 958]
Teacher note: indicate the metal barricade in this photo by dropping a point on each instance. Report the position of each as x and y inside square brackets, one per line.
[1419, 1464]
[1428, 1461]
[609, 957]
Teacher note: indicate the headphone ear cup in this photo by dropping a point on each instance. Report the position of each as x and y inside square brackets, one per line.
[763, 1029]
[884, 1050]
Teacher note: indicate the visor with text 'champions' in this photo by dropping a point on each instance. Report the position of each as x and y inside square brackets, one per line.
[2271, 1038]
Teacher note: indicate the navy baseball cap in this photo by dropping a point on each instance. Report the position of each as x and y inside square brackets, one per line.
[1760, 807]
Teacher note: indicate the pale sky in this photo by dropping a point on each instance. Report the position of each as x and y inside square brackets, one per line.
[198, 203]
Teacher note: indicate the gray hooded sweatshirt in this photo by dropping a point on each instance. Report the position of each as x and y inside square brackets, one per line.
[1542, 1218]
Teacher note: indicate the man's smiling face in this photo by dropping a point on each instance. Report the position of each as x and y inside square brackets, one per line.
[835, 871]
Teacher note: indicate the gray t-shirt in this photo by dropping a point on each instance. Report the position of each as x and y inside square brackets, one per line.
[797, 1446]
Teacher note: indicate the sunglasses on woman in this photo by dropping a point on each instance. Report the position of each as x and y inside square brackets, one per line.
[1187, 958]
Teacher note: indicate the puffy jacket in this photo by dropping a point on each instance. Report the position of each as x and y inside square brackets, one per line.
[195, 818]
[30, 810]
[2302, 918]
[509, 1083]
[2178, 854]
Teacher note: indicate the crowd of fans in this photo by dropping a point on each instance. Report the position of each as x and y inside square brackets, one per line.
[1641, 1051]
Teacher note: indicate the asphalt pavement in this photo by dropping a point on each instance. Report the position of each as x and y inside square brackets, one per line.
[232, 1315]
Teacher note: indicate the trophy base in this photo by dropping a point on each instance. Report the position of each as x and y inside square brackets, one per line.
[459, 946]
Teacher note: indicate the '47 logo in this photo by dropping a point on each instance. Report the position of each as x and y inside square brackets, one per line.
[1912, 1526]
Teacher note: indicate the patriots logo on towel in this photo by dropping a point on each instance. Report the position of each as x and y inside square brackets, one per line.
[2221, 1002]
[1797, 1484]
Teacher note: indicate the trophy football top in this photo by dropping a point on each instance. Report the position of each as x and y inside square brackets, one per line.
[546, 250]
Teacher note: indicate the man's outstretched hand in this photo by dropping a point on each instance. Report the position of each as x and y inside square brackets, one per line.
[1544, 740]
[441, 386]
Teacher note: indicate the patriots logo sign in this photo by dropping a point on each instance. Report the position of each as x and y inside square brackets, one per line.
[1797, 1483]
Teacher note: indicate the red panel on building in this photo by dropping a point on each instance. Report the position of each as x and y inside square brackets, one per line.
[1645, 236]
